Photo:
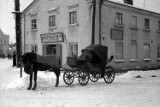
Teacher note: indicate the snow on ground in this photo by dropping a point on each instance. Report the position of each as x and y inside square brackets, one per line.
[125, 91]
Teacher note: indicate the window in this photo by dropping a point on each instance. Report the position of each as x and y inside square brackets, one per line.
[73, 49]
[119, 50]
[1, 42]
[52, 21]
[158, 51]
[119, 20]
[73, 17]
[146, 23]
[33, 24]
[134, 51]
[134, 21]
[158, 25]
[34, 48]
[147, 51]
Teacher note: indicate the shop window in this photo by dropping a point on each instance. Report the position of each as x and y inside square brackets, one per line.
[34, 48]
[119, 50]
[146, 51]
[33, 24]
[52, 21]
[73, 17]
[119, 19]
[73, 49]
[158, 51]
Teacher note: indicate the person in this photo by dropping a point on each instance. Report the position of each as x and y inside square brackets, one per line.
[14, 59]
[3, 56]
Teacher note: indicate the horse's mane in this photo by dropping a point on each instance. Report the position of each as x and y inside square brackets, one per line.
[29, 56]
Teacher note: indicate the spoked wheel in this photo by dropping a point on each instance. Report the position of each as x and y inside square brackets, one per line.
[94, 77]
[68, 77]
[83, 78]
[109, 74]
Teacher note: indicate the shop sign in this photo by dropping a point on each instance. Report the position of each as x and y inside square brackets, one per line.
[116, 34]
[52, 37]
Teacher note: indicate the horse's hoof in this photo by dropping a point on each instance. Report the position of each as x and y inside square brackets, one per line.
[34, 88]
[29, 88]
[56, 85]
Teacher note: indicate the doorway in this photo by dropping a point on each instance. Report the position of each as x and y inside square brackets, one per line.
[54, 49]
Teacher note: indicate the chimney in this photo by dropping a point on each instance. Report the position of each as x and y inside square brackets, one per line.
[128, 2]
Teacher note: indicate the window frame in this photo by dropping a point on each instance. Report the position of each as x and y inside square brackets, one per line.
[34, 48]
[136, 53]
[146, 51]
[146, 23]
[159, 25]
[134, 18]
[52, 21]
[73, 17]
[158, 51]
[33, 24]
[73, 49]
[119, 18]
[119, 51]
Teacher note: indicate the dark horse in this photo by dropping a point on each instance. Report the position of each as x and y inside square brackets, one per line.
[34, 63]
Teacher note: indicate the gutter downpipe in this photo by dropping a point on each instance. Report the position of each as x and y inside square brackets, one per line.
[93, 21]
[100, 20]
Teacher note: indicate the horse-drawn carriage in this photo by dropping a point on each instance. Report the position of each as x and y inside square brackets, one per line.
[91, 65]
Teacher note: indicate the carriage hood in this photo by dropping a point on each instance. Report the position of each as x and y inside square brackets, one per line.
[100, 50]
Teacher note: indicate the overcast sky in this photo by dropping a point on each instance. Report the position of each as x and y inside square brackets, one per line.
[7, 22]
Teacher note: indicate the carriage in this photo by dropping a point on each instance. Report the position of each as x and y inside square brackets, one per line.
[90, 65]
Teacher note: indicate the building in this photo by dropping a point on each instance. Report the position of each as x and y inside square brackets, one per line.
[64, 28]
[55, 27]
[132, 35]
[4, 44]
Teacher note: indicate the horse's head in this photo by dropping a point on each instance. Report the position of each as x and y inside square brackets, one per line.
[28, 60]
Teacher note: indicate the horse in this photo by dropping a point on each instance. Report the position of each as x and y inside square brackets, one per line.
[33, 63]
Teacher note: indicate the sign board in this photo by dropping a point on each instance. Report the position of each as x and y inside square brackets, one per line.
[116, 34]
[52, 37]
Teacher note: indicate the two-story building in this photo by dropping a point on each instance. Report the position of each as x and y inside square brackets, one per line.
[4, 44]
[56, 27]
[132, 35]
[64, 28]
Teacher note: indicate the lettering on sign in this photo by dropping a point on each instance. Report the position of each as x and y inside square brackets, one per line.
[52, 37]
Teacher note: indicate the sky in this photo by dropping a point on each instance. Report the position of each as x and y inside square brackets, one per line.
[7, 21]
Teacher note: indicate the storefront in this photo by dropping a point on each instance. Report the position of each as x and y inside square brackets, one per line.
[52, 43]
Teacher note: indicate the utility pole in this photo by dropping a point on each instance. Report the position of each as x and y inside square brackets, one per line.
[93, 21]
[100, 21]
[18, 34]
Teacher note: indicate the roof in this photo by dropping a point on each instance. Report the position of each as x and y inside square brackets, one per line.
[30, 6]
[100, 50]
[133, 7]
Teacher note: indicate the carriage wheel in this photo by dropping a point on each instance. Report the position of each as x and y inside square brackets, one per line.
[94, 77]
[83, 78]
[68, 77]
[109, 74]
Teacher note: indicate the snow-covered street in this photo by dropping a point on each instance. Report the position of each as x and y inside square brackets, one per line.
[124, 91]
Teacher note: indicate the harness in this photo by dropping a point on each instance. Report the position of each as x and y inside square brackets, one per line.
[29, 68]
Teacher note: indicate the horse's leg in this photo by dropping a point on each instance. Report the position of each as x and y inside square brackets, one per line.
[57, 73]
[30, 83]
[35, 80]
